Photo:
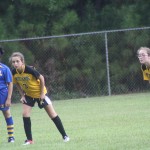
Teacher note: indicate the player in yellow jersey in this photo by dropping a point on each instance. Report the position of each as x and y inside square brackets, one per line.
[144, 57]
[31, 86]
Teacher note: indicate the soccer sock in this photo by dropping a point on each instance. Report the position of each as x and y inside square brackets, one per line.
[27, 127]
[10, 126]
[59, 126]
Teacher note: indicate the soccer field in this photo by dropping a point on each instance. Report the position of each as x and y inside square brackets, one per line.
[100, 123]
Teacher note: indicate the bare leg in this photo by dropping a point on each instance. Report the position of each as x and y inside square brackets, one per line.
[50, 111]
[7, 113]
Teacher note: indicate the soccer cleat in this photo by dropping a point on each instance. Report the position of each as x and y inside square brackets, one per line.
[66, 139]
[11, 140]
[28, 142]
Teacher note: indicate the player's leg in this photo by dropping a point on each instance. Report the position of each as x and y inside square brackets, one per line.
[47, 104]
[57, 121]
[10, 125]
[27, 108]
[7, 115]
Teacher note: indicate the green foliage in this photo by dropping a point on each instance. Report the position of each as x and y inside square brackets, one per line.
[59, 5]
[37, 18]
[36, 3]
[128, 15]
[9, 22]
[15, 47]
[107, 16]
[2, 30]
[142, 9]
[66, 23]
[89, 20]
[30, 29]
[77, 64]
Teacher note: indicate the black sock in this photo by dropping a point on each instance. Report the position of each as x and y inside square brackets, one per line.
[59, 126]
[27, 127]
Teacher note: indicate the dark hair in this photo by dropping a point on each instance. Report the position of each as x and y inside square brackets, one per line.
[1, 51]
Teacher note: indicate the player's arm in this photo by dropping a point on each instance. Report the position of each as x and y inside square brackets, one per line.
[10, 89]
[42, 85]
[21, 92]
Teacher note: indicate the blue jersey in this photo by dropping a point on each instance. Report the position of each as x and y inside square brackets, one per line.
[5, 76]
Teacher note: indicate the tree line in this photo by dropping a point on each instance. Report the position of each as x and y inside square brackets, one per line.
[74, 62]
[29, 18]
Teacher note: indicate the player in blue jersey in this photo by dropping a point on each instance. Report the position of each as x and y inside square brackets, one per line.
[6, 88]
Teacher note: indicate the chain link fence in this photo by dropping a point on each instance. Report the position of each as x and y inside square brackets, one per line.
[85, 64]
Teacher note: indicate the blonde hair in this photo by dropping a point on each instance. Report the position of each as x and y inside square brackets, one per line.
[17, 54]
[146, 49]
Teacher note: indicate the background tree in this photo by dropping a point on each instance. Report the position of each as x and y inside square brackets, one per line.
[61, 59]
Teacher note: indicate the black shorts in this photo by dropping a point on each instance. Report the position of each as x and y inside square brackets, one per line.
[31, 101]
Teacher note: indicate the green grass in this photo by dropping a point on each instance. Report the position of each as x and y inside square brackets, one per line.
[100, 123]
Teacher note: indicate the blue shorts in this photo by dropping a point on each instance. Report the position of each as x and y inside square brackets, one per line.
[3, 97]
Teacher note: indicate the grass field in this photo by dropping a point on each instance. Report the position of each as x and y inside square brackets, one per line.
[99, 123]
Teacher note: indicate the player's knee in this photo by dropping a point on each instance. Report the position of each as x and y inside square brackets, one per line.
[25, 114]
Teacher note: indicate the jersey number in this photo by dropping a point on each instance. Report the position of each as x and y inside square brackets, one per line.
[25, 86]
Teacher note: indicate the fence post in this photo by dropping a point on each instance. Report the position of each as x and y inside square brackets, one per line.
[107, 64]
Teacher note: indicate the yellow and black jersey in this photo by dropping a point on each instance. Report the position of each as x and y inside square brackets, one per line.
[146, 72]
[29, 81]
